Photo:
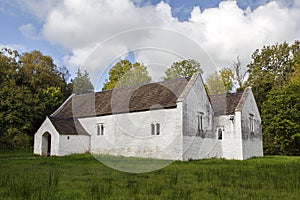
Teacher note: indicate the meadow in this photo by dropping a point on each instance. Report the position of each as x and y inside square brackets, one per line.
[83, 177]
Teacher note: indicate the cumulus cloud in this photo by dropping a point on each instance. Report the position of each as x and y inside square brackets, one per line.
[98, 32]
[29, 31]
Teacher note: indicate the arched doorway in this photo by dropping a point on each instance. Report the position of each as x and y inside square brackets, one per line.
[46, 144]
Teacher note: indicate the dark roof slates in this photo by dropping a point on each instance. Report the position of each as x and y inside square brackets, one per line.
[225, 104]
[131, 99]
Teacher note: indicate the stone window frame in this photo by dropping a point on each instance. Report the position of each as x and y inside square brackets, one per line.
[155, 128]
[220, 134]
[200, 129]
[251, 123]
[100, 129]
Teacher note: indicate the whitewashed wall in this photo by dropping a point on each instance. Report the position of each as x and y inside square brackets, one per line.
[38, 138]
[252, 142]
[70, 144]
[194, 102]
[60, 144]
[129, 134]
[231, 139]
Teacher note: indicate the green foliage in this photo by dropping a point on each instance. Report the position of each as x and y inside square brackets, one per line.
[82, 83]
[83, 177]
[137, 75]
[31, 87]
[214, 84]
[183, 68]
[272, 66]
[220, 82]
[274, 78]
[281, 117]
[125, 74]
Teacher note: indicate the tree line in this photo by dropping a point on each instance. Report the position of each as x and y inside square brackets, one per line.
[32, 87]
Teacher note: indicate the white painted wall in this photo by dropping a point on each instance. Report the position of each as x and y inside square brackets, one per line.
[60, 145]
[70, 144]
[199, 148]
[252, 142]
[129, 134]
[46, 127]
[231, 141]
[196, 101]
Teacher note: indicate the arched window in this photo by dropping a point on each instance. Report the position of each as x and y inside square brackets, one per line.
[220, 134]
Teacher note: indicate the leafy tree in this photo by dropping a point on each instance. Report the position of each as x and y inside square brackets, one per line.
[183, 68]
[82, 83]
[274, 77]
[39, 72]
[220, 82]
[281, 117]
[31, 87]
[137, 75]
[214, 84]
[271, 66]
[124, 74]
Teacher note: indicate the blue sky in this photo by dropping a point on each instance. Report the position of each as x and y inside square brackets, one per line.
[70, 30]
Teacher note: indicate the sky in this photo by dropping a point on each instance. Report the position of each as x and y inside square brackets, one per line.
[95, 34]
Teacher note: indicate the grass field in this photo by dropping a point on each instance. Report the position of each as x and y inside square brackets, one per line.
[83, 177]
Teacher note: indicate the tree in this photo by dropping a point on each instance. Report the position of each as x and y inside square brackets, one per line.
[214, 84]
[38, 72]
[183, 68]
[81, 83]
[137, 75]
[239, 73]
[274, 78]
[220, 82]
[124, 74]
[271, 66]
[281, 117]
[31, 87]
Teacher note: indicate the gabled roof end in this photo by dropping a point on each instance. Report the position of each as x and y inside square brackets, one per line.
[188, 86]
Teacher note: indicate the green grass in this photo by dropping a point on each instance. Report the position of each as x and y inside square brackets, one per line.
[16, 154]
[83, 177]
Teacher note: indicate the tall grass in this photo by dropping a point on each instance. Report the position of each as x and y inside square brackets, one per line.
[83, 177]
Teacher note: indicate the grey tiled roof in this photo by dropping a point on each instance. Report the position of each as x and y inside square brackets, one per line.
[123, 100]
[68, 126]
[225, 104]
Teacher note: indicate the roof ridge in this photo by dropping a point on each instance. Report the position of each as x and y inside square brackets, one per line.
[142, 84]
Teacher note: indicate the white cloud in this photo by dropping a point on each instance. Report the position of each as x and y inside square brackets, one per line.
[17, 47]
[110, 28]
[29, 31]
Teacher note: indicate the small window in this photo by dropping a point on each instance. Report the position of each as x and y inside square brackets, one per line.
[200, 121]
[155, 129]
[100, 129]
[220, 134]
[251, 123]
[152, 129]
[68, 137]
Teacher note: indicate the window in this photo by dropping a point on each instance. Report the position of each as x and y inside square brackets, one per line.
[68, 137]
[155, 129]
[220, 134]
[100, 129]
[251, 123]
[200, 121]
[152, 129]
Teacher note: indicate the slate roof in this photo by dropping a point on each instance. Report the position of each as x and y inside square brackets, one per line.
[225, 104]
[131, 99]
[68, 126]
